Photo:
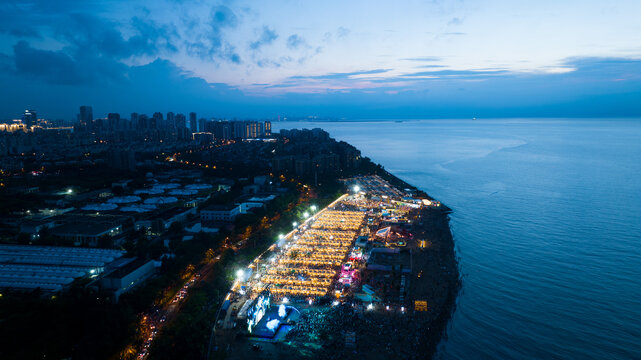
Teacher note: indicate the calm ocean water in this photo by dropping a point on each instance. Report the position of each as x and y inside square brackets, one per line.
[547, 223]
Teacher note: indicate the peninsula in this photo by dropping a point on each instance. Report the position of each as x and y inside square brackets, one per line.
[372, 274]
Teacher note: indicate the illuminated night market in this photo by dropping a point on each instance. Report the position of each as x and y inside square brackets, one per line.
[360, 276]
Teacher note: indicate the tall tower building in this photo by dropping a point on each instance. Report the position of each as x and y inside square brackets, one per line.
[181, 121]
[193, 122]
[86, 115]
[158, 120]
[29, 118]
[113, 121]
[133, 120]
[171, 120]
[268, 128]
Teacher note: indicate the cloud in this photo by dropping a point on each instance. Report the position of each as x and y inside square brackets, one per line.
[222, 16]
[295, 42]
[345, 75]
[267, 37]
[455, 21]
[424, 59]
[88, 33]
[457, 73]
[342, 32]
[60, 68]
[212, 45]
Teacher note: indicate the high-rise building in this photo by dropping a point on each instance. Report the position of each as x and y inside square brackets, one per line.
[113, 121]
[143, 122]
[268, 128]
[239, 129]
[193, 122]
[29, 118]
[171, 122]
[201, 124]
[181, 121]
[133, 120]
[86, 115]
[158, 120]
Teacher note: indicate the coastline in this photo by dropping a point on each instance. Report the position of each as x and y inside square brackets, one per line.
[435, 225]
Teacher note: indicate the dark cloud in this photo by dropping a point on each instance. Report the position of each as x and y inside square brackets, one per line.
[267, 37]
[212, 45]
[295, 42]
[89, 33]
[58, 67]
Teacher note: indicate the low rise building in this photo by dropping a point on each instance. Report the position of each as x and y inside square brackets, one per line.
[219, 213]
[127, 277]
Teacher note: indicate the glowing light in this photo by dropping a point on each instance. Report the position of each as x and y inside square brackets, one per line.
[285, 300]
[294, 224]
[305, 215]
[370, 306]
[272, 324]
[281, 311]
[387, 307]
[357, 188]
[313, 207]
[69, 191]
[402, 308]
[310, 301]
[335, 302]
[280, 236]
[240, 273]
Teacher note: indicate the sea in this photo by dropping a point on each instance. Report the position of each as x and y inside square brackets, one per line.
[547, 224]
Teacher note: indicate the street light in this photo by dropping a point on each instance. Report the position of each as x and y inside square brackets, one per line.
[313, 207]
[280, 236]
[69, 191]
[357, 188]
[305, 214]
[294, 224]
[240, 273]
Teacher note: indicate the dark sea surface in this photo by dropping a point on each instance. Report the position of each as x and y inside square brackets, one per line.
[547, 223]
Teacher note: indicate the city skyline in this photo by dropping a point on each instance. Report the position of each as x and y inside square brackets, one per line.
[362, 60]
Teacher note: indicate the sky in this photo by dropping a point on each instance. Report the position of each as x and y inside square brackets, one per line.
[341, 59]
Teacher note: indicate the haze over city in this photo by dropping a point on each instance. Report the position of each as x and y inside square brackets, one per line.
[361, 59]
